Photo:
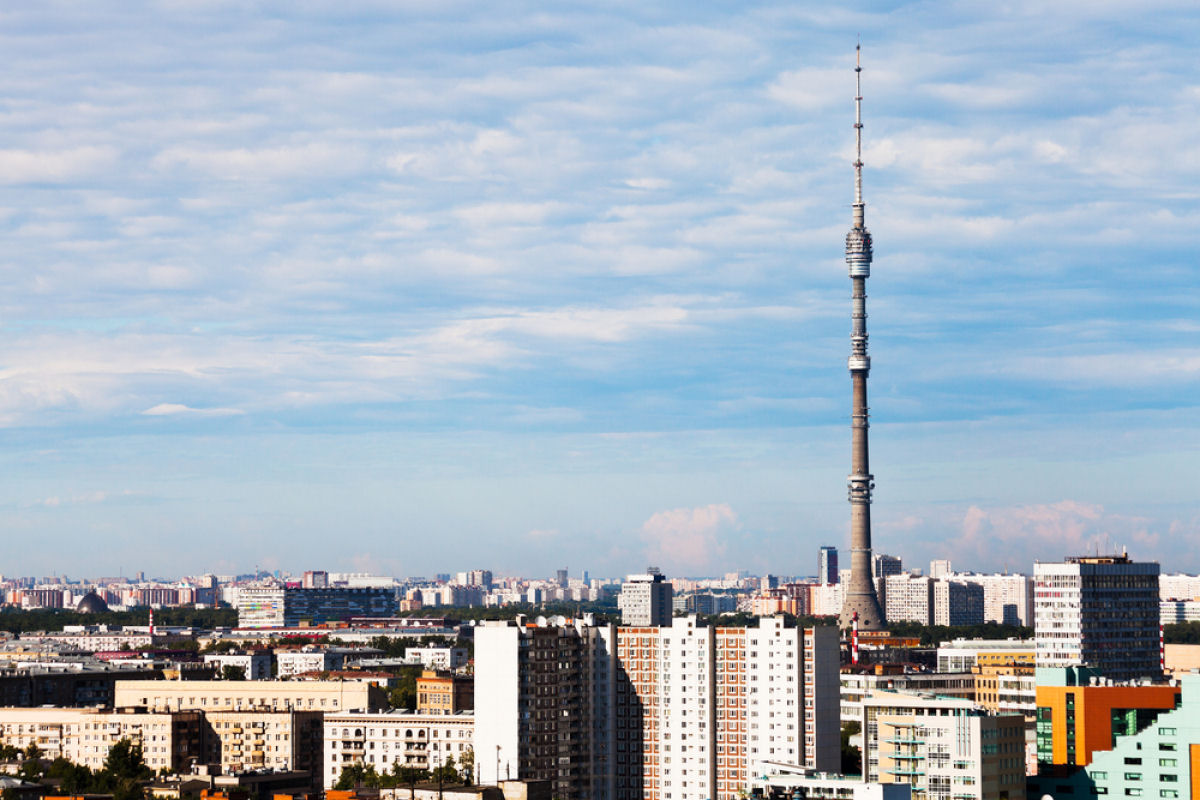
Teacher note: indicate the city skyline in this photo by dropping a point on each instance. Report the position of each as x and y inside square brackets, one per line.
[371, 287]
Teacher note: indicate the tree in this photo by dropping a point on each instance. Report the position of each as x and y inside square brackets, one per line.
[355, 775]
[125, 762]
[466, 762]
[9, 753]
[447, 772]
[232, 672]
[851, 755]
[32, 752]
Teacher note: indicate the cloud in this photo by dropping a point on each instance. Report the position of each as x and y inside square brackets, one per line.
[172, 409]
[689, 541]
[54, 166]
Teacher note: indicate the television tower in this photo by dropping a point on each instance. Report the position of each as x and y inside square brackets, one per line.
[860, 603]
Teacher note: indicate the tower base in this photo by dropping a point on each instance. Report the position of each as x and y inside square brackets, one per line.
[866, 605]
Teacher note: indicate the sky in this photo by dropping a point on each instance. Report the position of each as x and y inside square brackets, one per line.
[420, 287]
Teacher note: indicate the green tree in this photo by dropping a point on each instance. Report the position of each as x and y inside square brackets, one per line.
[851, 755]
[232, 672]
[32, 752]
[125, 762]
[447, 772]
[466, 763]
[355, 775]
[9, 753]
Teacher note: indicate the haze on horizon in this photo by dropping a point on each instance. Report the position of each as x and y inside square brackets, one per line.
[415, 288]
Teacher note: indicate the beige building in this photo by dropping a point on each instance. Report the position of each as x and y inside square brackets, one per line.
[84, 735]
[942, 747]
[327, 696]
[276, 740]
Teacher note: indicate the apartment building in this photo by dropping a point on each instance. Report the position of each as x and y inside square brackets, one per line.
[543, 704]
[255, 666]
[282, 741]
[646, 599]
[339, 695]
[169, 740]
[445, 693]
[286, 607]
[942, 747]
[394, 739]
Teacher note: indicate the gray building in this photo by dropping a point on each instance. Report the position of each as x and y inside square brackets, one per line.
[287, 607]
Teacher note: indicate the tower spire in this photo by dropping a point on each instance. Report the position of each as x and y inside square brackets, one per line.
[861, 601]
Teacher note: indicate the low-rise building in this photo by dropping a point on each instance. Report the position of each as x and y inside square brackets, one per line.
[255, 666]
[437, 657]
[791, 785]
[857, 684]
[445, 692]
[339, 695]
[396, 739]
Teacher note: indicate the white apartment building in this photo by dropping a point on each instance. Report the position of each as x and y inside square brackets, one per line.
[1007, 599]
[1172, 612]
[396, 738]
[826, 600]
[298, 662]
[909, 598]
[962, 655]
[1179, 587]
[957, 602]
[646, 600]
[1100, 612]
[437, 657]
[254, 666]
[942, 747]
[701, 711]
[857, 686]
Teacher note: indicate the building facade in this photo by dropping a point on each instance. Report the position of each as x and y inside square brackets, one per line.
[1100, 612]
[286, 607]
[943, 748]
[339, 695]
[394, 739]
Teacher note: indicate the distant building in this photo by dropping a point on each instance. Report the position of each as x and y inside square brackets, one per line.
[280, 607]
[940, 568]
[340, 695]
[1100, 612]
[827, 565]
[432, 657]
[646, 599]
[793, 784]
[315, 579]
[957, 602]
[909, 598]
[1007, 599]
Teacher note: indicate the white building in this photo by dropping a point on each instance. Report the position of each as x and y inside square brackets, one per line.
[404, 738]
[909, 598]
[957, 602]
[254, 666]
[826, 600]
[786, 784]
[1007, 599]
[437, 657]
[942, 747]
[1172, 612]
[645, 600]
[702, 710]
[962, 655]
[1101, 612]
[1179, 587]
[298, 662]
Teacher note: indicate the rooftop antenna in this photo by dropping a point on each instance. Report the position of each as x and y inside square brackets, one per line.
[858, 162]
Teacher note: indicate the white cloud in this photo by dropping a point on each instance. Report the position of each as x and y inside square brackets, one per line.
[54, 166]
[689, 541]
[172, 409]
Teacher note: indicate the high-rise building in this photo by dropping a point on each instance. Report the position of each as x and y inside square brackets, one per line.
[701, 711]
[646, 599]
[1007, 599]
[315, 579]
[861, 603]
[957, 602]
[940, 568]
[1100, 612]
[543, 705]
[909, 598]
[827, 565]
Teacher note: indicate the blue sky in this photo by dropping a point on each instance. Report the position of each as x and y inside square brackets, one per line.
[420, 287]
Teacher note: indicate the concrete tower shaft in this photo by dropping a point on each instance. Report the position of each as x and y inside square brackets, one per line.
[861, 602]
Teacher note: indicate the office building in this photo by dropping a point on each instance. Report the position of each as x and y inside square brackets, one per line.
[1100, 612]
[646, 600]
[1159, 759]
[1079, 712]
[827, 565]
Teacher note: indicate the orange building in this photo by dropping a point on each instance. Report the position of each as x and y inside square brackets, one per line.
[444, 693]
[1078, 714]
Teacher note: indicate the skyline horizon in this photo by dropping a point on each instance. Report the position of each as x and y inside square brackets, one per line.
[381, 285]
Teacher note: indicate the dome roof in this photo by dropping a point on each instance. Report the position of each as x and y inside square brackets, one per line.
[92, 603]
